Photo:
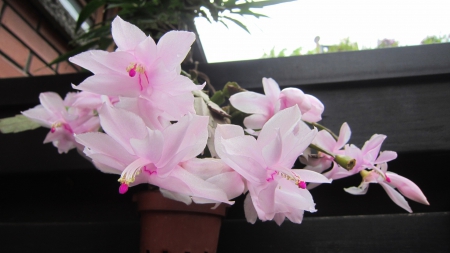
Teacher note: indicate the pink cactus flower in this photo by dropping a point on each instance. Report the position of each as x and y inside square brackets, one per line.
[142, 155]
[141, 69]
[263, 107]
[390, 181]
[63, 121]
[275, 190]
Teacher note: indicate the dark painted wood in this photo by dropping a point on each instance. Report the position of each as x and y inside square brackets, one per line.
[334, 67]
[377, 233]
[50, 199]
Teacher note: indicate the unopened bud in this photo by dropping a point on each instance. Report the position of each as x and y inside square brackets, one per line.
[345, 162]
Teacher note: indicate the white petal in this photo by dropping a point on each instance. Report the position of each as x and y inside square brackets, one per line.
[396, 197]
[360, 190]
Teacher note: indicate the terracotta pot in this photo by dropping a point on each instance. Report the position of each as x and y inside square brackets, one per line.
[169, 226]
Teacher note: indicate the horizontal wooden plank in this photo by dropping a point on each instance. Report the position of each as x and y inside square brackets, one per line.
[379, 233]
[334, 67]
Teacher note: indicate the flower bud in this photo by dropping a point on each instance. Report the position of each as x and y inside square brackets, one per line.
[345, 162]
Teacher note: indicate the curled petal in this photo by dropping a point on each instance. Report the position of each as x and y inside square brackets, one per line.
[386, 156]
[360, 190]
[396, 197]
[315, 113]
[256, 121]
[344, 136]
[372, 147]
[271, 89]
[293, 96]
[408, 188]
[250, 212]
[251, 102]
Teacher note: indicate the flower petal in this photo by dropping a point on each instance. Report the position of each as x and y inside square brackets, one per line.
[174, 46]
[249, 209]
[344, 136]
[360, 190]
[251, 102]
[149, 147]
[122, 125]
[100, 143]
[271, 89]
[386, 156]
[249, 164]
[110, 85]
[126, 35]
[396, 197]
[256, 121]
[311, 176]
[272, 151]
[286, 120]
[408, 188]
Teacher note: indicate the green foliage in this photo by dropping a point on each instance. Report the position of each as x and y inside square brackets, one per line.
[344, 45]
[282, 53]
[435, 39]
[16, 124]
[387, 43]
[156, 17]
[218, 97]
[231, 88]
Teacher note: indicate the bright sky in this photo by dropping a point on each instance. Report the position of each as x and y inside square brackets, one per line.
[296, 24]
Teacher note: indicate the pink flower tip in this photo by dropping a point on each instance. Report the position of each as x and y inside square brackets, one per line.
[123, 188]
[302, 184]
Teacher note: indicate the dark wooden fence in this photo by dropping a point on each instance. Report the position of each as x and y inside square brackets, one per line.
[60, 203]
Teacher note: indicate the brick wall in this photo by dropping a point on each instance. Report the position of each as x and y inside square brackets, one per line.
[28, 42]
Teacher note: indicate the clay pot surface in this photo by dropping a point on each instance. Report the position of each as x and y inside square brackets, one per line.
[169, 226]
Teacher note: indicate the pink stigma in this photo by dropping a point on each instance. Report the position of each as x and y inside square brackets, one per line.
[123, 188]
[302, 184]
[53, 129]
[387, 178]
[132, 72]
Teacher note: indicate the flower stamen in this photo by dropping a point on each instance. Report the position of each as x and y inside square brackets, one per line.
[294, 178]
[129, 174]
[134, 68]
[60, 124]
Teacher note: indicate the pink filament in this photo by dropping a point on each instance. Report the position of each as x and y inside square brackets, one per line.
[302, 184]
[151, 172]
[271, 177]
[68, 128]
[123, 188]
